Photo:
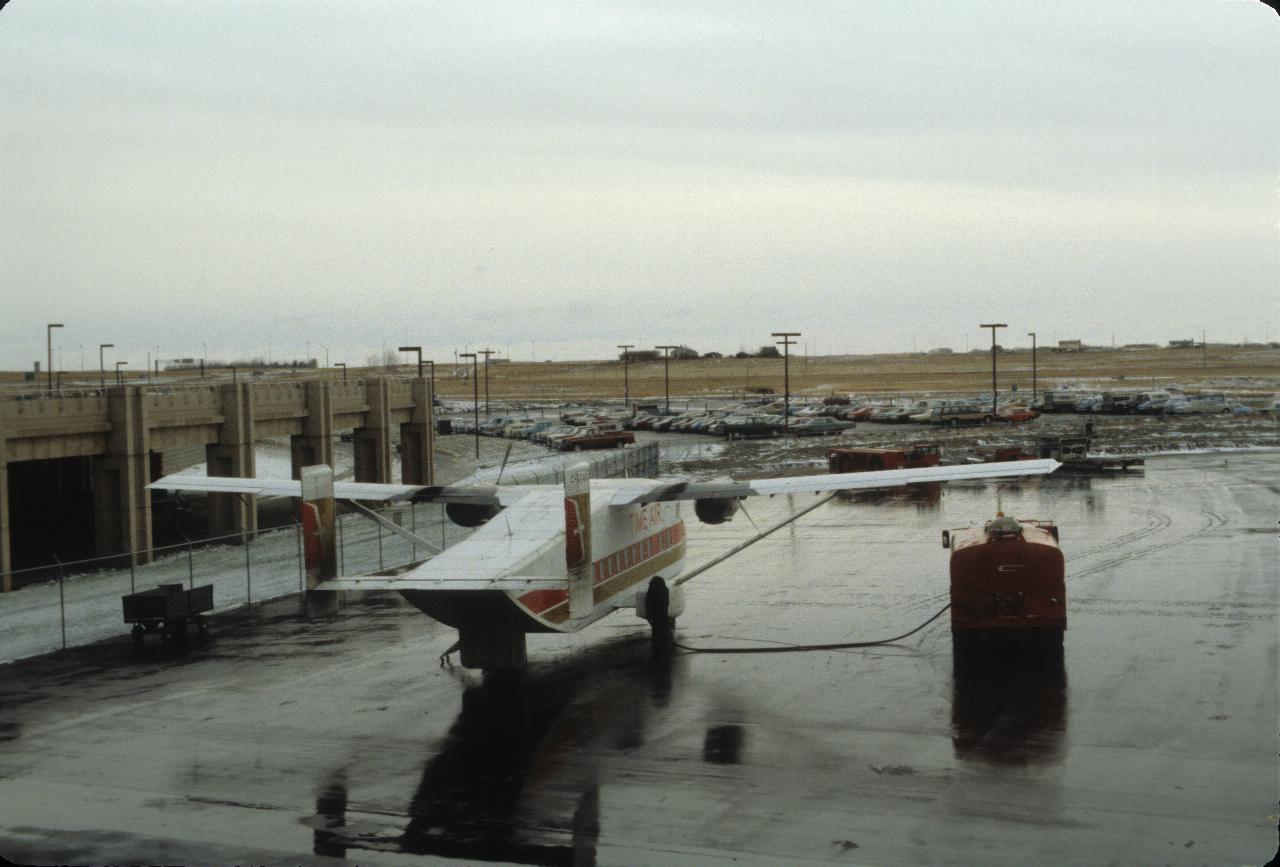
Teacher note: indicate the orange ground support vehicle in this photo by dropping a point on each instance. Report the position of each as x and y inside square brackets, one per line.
[862, 460]
[1007, 581]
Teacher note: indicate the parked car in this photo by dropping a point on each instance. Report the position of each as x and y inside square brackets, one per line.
[1017, 414]
[1204, 404]
[549, 436]
[818, 426]
[959, 414]
[753, 425]
[592, 437]
[1089, 404]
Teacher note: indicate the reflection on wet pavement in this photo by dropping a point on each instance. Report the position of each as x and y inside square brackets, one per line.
[1009, 704]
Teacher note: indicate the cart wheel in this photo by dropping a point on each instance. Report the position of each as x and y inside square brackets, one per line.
[138, 632]
[200, 622]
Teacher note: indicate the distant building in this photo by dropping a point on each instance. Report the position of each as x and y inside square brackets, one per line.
[684, 352]
[941, 350]
[1070, 345]
[1141, 346]
[640, 355]
[1182, 344]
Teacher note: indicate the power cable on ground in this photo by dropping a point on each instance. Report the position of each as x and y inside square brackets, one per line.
[799, 648]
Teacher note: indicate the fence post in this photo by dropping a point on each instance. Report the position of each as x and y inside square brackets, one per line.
[62, 603]
[379, 526]
[248, 579]
[302, 575]
[132, 571]
[413, 528]
[191, 566]
[342, 548]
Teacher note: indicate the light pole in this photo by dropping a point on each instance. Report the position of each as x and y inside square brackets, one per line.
[486, 353]
[1032, 335]
[49, 345]
[417, 349]
[993, 326]
[475, 395]
[666, 373]
[626, 380]
[102, 370]
[343, 365]
[119, 375]
[786, 343]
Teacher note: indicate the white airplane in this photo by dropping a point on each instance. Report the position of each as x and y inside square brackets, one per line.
[545, 558]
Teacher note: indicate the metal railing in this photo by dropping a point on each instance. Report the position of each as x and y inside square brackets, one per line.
[80, 602]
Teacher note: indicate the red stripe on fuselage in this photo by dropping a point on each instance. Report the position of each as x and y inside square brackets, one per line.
[538, 601]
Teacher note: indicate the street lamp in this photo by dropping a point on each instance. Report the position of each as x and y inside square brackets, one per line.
[49, 342]
[786, 343]
[102, 370]
[626, 380]
[1032, 335]
[343, 365]
[993, 326]
[475, 396]
[119, 375]
[417, 349]
[486, 353]
[666, 373]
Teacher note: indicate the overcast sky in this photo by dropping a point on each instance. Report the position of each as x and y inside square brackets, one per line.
[552, 179]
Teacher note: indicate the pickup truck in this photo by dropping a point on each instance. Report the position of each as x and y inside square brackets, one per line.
[596, 438]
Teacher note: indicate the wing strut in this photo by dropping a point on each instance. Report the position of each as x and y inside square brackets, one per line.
[395, 528]
[715, 561]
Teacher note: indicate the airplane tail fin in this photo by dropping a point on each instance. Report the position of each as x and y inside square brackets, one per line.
[319, 536]
[577, 540]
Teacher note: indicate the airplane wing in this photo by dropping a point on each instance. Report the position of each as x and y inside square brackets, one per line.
[480, 495]
[662, 491]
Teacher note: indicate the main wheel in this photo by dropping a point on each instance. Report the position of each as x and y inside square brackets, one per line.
[658, 613]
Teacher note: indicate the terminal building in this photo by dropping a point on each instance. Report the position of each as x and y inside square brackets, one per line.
[74, 464]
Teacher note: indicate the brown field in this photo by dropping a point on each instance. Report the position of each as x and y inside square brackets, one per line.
[1248, 373]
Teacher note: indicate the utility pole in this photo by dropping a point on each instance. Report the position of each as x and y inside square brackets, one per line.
[666, 373]
[993, 326]
[1203, 348]
[102, 370]
[48, 333]
[417, 349]
[486, 353]
[786, 343]
[475, 395]
[1032, 334]
[626, 381]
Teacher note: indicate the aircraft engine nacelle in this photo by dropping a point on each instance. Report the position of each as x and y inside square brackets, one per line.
[715, 511]
[469, 514]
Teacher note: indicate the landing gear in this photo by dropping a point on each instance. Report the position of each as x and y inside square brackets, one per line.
[658, 613]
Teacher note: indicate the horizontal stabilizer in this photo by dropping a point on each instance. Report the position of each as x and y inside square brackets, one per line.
[509, 584]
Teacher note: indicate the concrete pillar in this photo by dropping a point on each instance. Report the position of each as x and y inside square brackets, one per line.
[6, 552]
[315, 444]
[372, 443]
[417, 438]
[233, 455]
[121, 501]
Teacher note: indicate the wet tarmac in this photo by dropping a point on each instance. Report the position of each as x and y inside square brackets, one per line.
[1149, 740]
